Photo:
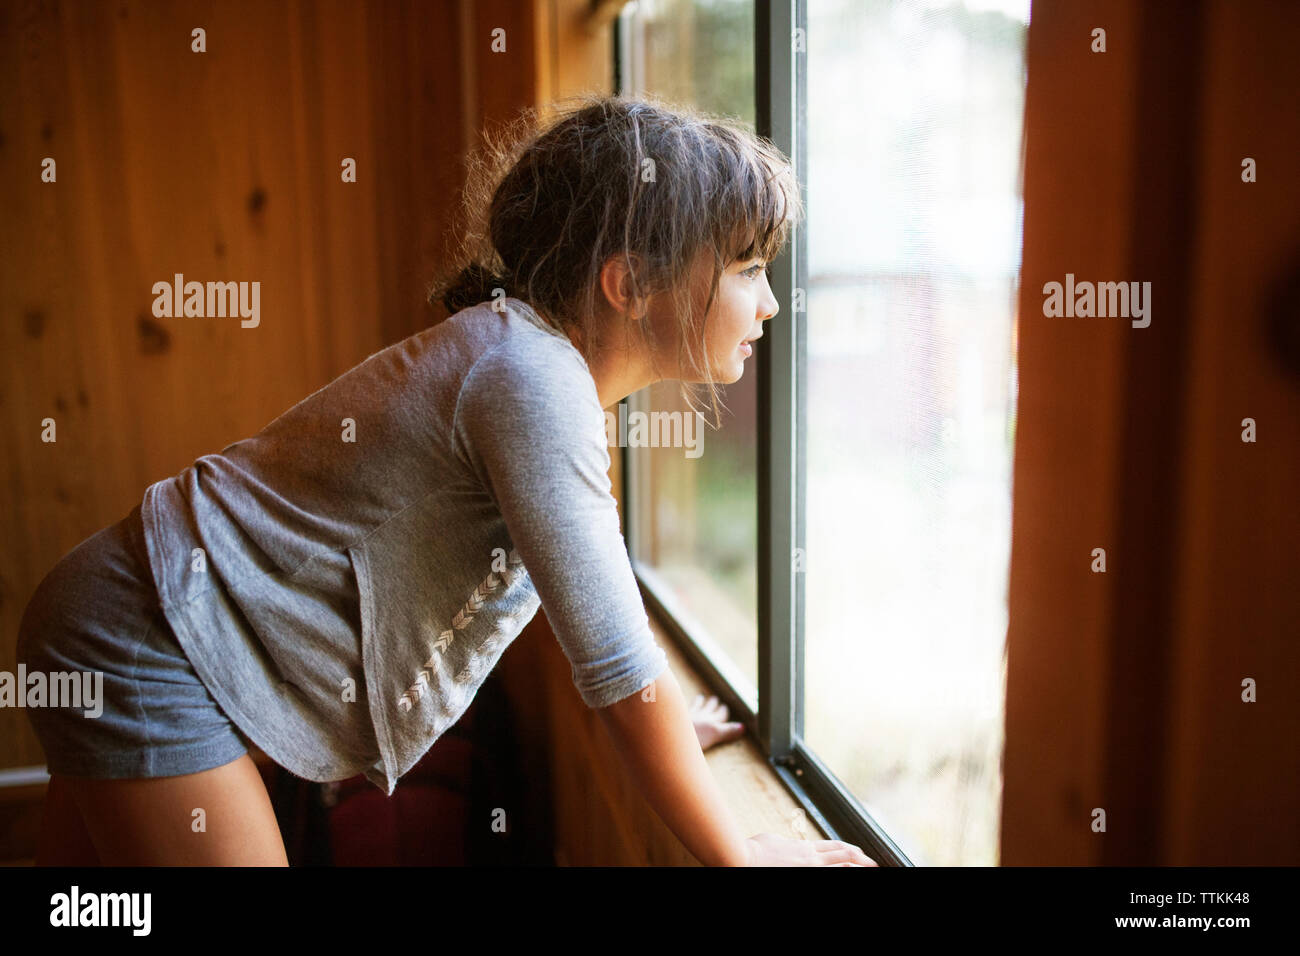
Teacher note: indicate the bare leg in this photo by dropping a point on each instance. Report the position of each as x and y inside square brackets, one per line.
[219, 817]
[64, 840]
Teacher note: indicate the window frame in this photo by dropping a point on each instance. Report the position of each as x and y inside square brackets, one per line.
[775, 718]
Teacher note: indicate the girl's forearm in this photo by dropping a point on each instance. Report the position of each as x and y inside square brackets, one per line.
[654, 734]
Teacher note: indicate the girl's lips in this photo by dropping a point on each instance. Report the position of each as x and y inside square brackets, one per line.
[747, 349]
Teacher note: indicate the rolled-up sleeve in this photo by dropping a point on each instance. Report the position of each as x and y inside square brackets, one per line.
[528, 422]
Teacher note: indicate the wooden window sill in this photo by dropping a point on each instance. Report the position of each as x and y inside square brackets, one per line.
[755, 793]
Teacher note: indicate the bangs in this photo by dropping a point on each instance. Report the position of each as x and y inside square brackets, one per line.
[760, 204]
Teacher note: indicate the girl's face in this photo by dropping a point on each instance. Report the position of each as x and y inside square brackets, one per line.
[744, 301]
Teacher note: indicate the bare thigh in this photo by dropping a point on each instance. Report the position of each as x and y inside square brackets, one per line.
[219, 817]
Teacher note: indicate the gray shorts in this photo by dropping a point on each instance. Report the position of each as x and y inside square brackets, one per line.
[95, 621]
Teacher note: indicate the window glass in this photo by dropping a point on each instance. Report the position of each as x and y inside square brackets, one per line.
[913, 126]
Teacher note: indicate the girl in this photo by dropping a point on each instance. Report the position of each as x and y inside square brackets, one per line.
[335, 588]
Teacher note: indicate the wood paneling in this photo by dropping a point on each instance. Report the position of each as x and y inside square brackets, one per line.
[1232, 772]
[1124, 688]
[222, 166]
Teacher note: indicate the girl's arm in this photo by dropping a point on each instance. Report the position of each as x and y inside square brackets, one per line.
[652, 731]
[529, 426]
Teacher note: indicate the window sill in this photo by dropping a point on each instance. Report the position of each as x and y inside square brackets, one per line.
[756, 795]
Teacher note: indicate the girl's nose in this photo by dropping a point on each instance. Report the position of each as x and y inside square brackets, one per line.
[773, 307]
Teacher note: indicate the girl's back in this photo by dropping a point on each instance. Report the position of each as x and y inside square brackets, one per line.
[349, 575]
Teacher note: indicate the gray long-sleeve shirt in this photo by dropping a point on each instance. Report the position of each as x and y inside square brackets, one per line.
[344, 580]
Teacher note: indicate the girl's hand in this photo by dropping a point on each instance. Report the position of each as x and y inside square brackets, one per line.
[768, 849]
[711, 724]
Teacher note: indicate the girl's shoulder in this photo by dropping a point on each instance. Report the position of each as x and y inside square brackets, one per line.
[524, 371]
[509, 332]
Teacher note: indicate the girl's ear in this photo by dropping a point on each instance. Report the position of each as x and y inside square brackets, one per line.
[623, 288]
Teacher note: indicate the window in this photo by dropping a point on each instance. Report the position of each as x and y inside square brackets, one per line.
[693, 525]
[838, 555]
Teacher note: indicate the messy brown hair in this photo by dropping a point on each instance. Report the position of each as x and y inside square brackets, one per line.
[548, 203]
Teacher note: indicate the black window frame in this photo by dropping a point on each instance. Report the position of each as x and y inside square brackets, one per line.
[777, 722]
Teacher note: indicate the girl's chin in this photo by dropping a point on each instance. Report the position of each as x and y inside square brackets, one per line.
[726, 375]
[737, 372]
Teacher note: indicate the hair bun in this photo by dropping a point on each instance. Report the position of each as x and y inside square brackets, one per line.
[476, 283]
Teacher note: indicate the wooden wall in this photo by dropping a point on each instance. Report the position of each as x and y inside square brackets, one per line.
[222, 166]
[1124, 690]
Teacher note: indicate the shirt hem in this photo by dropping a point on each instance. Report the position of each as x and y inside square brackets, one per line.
[249, 728]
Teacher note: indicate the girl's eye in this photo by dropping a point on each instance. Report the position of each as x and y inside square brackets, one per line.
[753, 271]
